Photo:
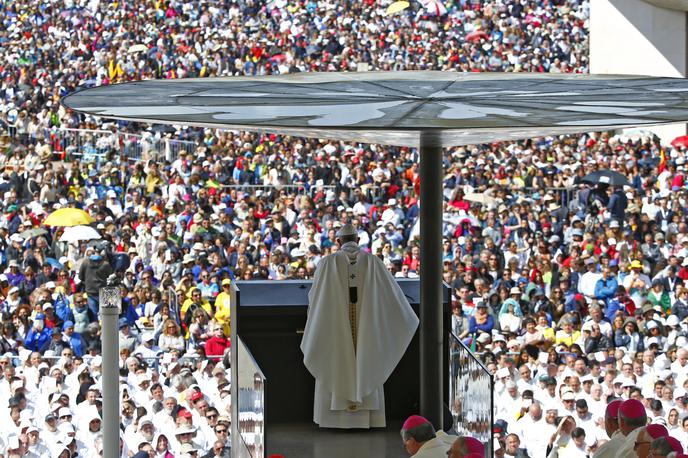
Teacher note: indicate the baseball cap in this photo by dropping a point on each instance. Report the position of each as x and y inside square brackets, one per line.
[587, 378]
[145, 420]
[184, 413]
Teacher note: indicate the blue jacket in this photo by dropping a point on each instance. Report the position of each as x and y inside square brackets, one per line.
[62, 309]
[569, 301]
[621, 339]
[38, 341]
[475, 327]
[77, 343]
[129, 313]
[613, 306]
[617, 205]
[606, 289]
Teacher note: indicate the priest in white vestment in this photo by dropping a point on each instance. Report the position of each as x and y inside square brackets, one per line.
[632, 419]
[611, 427]
[359, 326]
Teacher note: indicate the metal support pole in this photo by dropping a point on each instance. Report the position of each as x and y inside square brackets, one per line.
[431, 203]
[234, 435]
[110, 301]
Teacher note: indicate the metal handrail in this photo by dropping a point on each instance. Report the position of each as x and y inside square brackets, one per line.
[469, 351]
[240, 449]
[484, 427]
[134, 146]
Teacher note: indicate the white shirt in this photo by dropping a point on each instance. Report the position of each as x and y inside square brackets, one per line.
[587, 283]
[628, 281]
[596, 408]
[513, 322]
[605, 327]
[508, 407]
[534, 435]
[146, 352]
[588, 425]
[573, 451]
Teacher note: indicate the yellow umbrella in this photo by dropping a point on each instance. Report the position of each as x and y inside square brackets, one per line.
[68, 217]
[396, 7]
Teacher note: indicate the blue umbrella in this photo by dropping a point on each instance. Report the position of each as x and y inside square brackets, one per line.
[54, 263]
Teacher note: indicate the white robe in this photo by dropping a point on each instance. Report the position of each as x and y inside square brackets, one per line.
[609, 448]
[434, 448]
[627, 447]
[349, 384]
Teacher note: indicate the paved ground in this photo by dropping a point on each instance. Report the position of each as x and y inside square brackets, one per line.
[306, 441]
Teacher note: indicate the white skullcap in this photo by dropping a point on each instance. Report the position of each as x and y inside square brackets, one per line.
[347, 230]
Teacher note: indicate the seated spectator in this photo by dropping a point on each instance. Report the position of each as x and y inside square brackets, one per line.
[510, 316]
[481, 321]
[567, 334]
[171, 338]
[629, 337]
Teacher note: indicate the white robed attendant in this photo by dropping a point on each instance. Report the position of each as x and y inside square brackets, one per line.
[359, 326]
[609, 448]
[627, 447]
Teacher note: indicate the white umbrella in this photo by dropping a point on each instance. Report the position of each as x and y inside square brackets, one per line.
[435, 7]
[79, 233]
[480, 198]
[137, 48]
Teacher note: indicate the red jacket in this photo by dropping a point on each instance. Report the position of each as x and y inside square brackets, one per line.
[215, 347]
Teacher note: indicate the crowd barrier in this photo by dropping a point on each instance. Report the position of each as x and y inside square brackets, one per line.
[91, 145]
[562, 195]
[273, 191]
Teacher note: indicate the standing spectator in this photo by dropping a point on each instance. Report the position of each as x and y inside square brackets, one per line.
[223, 305]
[94, 273]
[618, 202]
[606, 287]
[38, 337]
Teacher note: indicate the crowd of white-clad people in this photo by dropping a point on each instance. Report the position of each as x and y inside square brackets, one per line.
[572, 293]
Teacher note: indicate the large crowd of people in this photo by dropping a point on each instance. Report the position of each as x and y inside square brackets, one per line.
[573, 293]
